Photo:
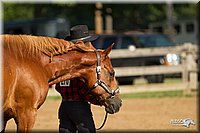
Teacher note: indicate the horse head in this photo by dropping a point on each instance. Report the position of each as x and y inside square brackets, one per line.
[94, 68]
[102, 81]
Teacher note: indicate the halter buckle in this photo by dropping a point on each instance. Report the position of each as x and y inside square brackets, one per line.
[98, 69]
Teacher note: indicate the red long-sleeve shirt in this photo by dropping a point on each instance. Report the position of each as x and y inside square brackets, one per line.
[75, 90]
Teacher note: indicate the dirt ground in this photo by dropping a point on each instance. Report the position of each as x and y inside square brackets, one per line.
[148, 114]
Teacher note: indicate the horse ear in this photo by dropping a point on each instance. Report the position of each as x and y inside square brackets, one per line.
[107, 51]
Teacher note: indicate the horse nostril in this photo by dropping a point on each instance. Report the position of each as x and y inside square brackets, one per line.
[113, 105]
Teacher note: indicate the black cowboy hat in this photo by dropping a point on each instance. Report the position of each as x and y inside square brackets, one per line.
[80, 33]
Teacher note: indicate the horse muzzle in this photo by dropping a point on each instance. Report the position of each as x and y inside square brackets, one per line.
[112, 105]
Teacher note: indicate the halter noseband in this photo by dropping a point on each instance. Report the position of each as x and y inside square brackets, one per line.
[99, 82]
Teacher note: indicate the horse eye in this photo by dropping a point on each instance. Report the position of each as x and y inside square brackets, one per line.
[112, 74]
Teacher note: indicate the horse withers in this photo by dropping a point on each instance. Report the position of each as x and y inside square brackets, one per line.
[31, 64]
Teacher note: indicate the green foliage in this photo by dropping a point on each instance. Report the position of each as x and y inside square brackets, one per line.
[185, 10]
[13, 11]
[157, 12]
[125, 16]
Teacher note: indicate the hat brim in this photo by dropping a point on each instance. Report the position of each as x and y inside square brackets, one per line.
[85, 39]
[91, 38]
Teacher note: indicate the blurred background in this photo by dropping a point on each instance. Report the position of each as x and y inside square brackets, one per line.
[175, 19]
[155, 55]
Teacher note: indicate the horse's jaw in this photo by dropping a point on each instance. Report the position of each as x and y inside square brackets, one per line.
[57, 71]
[58, 74]
[63, 78]
[72, 72]
[68, 66]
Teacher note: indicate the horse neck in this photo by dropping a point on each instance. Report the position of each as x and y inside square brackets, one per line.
[67, 66]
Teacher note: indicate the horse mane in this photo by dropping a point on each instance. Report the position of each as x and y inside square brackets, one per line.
[34, 45]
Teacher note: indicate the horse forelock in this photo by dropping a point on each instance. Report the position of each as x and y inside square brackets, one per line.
[35, 45]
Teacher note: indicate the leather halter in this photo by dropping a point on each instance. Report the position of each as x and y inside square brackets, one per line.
[99, 82]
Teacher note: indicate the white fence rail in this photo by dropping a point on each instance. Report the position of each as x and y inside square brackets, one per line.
[142, 52]
[188, 68]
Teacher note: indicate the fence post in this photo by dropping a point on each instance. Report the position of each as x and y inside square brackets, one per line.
[98, 18]
[190, 72]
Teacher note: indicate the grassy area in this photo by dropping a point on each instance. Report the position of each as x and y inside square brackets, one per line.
[160, 94]
[155, 94]
[54, 97]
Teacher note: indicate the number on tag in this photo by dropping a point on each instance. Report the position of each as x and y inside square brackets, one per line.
[65, 83]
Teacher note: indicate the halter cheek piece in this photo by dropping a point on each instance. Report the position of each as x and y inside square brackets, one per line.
[99, 82]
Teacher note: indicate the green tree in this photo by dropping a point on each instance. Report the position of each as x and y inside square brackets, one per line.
[125, 16]
[185, 10]
[17, 11]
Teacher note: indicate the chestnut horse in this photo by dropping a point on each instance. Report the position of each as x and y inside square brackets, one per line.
[32, 63]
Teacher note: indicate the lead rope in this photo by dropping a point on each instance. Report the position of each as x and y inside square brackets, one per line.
[104, 121]
[98, 77]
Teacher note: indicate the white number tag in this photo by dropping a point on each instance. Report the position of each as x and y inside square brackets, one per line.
[65, 83]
